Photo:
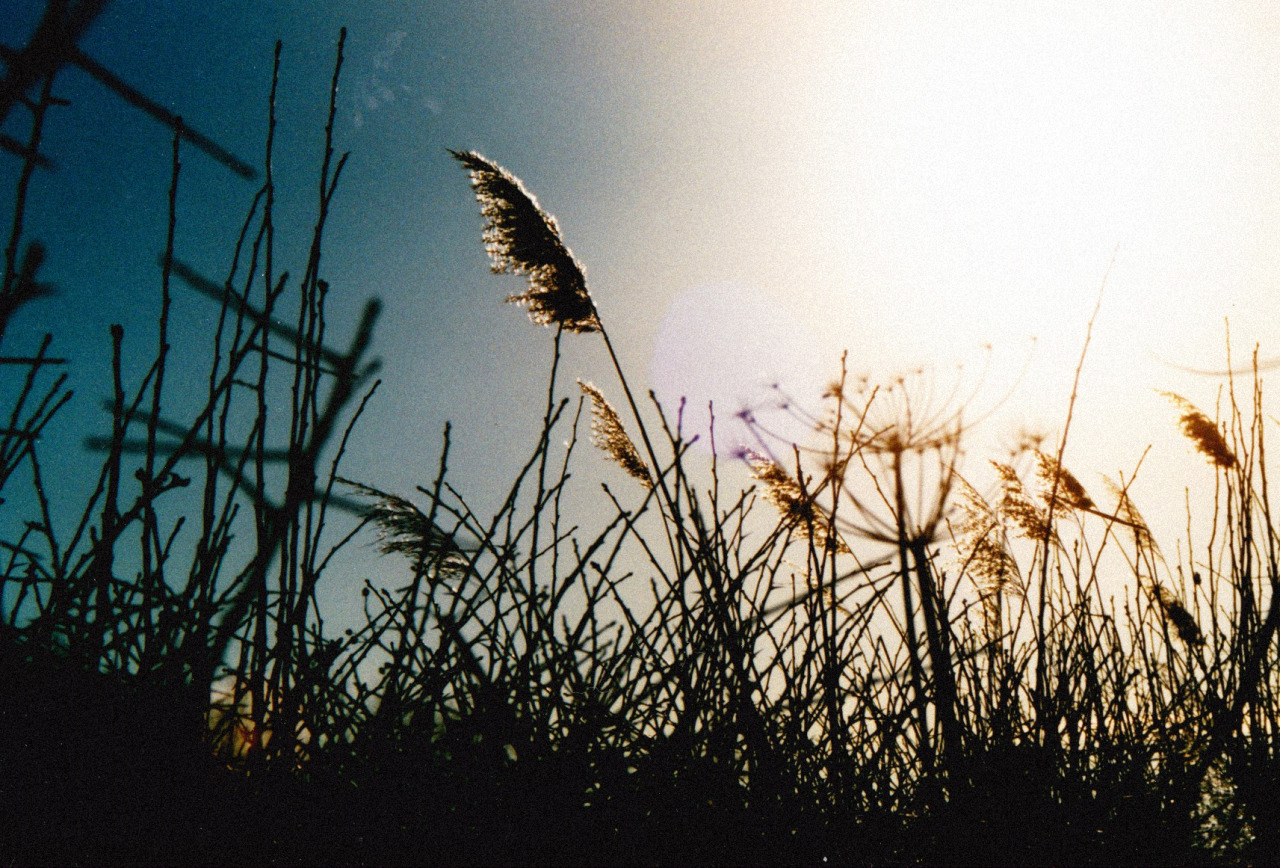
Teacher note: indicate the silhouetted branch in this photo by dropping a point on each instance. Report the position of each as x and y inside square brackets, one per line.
[219, 293]
[136, 98]
[60, 28]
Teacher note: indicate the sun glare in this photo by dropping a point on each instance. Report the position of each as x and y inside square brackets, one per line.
[1012, 148]
[965, 175]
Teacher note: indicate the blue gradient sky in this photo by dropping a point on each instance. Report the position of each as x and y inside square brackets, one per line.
[753, 188]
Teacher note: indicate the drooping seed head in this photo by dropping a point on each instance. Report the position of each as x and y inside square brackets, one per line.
[1202, 432]
[796, 505]
[1017, 506]
[1177, 615]
[608, 435]
[982, 544]
[523, 239]
[1068, 493]
[404, 529]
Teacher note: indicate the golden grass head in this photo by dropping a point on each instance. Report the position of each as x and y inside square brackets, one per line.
[983, 547]
[608, 435]
[1127, 512]
[523, 239]
[1202, 432]
[1068, 494]
[1017, 506]
[780, 489]
[797, 507]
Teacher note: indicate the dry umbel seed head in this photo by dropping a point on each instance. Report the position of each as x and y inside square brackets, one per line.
[523, 239]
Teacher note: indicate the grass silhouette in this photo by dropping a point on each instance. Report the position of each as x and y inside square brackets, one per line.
[861, 658]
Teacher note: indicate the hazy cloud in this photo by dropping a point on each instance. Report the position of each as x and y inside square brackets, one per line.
[376, 87]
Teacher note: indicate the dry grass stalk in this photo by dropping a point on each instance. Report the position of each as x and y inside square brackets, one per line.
[523, 239]
[1203, 432]
[797, 507]
[608, 435]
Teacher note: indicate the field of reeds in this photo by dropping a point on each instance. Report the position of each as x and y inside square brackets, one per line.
[859, 658]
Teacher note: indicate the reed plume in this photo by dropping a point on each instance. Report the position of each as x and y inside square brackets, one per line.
[608, 435]
[1070, 494]
[1127, 513]
[1177, 614]
[1017, 506]
[796, 505]
[523, 239]
[1203, 432]
[983, 546]
[404, 529]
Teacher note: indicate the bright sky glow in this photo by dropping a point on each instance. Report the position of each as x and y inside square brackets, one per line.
[957, 175]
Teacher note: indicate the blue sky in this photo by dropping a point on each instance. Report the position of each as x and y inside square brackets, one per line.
[405, 227]
[752, 187]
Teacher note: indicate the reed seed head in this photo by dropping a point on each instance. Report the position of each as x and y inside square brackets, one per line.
[983, 547]
[523, 239]
[1202, 432]
[797, 506]
[1179, 617]
[1068, 494]
[1017, 506]
[405, 529]
[1128, 513]
[607, 434]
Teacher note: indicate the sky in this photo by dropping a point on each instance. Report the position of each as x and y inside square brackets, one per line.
[753, 188]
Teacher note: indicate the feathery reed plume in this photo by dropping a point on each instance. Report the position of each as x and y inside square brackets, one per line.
[780, 489]
[983, 547]
[797, 507]
[1128, 513]
[1201, 430]
[1177, 614]
[1017, 506]
[405, 529]
[608, 435]
[1070, 494]
[523, 239]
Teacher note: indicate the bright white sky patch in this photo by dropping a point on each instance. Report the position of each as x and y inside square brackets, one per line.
[1007, 149]
[912, 181]
[731, 344]
[955, 174]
